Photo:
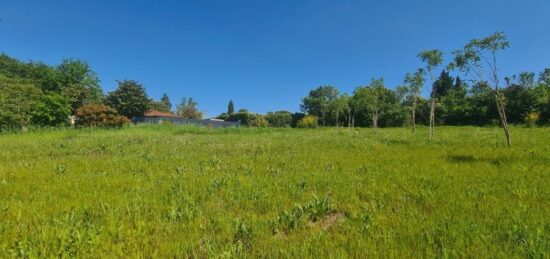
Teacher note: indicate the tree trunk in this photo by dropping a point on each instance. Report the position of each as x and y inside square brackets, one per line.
[500, 104]
[353, 121]
[337, 122]
[503, 120]
[375, 119]
[349, 119]
[414, 115]
[432, 118]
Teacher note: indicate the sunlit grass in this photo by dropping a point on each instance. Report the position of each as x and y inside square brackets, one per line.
[165, 191]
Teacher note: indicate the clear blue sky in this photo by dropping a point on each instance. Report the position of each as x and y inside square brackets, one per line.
[265, 55]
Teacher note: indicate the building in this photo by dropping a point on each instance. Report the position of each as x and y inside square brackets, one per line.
[157, 117]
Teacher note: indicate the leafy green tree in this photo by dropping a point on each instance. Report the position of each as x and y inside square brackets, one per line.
[79, 83]
[479, 56]
[129, 99]
[188, 109]
[279, 118]
[433, 59]
[230, 107]
[159, 106]
[164, 105]
[165, 100]
[51, 110]
[338, 106]
[319, 102]
[443, 85]
[375, 100]
[18, 101]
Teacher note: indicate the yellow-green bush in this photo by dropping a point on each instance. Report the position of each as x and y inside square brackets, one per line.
[308, 121]
[532, 118]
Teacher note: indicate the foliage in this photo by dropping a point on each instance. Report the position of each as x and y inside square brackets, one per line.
[248, 119]
[230, 107]
[279, 118]
[319, 102]
[256, 120]
[188, 109]
[18, 101]
[99, 115]
[532, 118]
[309, 121]
[51, 110]
[79, 83]
[129, 99]
[164, 105]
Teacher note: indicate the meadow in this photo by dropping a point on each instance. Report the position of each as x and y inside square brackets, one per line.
[169, 191]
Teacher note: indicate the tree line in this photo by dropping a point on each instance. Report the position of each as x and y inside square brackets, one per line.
[36, 94]
[464, 91]
[476, 98]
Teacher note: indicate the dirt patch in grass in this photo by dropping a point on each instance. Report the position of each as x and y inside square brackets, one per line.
[329, 220]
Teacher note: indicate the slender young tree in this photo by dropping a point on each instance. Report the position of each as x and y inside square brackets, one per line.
[433, 59]
[479, 56]
[413, 85]
[338, 105]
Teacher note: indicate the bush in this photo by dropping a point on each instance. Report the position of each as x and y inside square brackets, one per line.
[309, 121]
[248, 119]
[532, 118]
[256, 120]
[296, 117]
[279, 119]
[99, 115]
[239, 116]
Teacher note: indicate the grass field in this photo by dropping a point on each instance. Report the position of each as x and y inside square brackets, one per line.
[163, 191]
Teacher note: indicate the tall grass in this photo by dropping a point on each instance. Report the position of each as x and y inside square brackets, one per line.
[169, 191]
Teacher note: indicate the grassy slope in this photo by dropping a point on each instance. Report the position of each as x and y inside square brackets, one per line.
[159, 191]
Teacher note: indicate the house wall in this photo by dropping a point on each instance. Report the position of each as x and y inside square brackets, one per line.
[181, 121]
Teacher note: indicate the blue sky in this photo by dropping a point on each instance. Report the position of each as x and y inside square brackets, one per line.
[265, 55]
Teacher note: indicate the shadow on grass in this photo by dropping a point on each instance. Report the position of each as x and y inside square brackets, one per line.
[469, 159]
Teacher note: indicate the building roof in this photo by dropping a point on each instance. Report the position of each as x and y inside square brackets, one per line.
[155, 113]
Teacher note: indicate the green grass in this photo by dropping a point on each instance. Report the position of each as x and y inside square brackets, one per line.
[167, 191]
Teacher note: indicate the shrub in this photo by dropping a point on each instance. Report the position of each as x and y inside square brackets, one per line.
[256, 120]
[99, 115]
[308, 121]
[248, 119]
[532, 118]
[296, 117]
[239, 116]
[279, 119]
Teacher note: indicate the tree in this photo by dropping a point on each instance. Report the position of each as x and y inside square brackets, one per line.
[413, 85]
[279, 118]
[164, 105]
[338, 106]
[433, 59]
[51, 110]
[129, 99]
[230, 107]
[79, 83]
[319, 102]
[374, 100]
[159, 106]
[443, 84]
[166, 101]
[480, 55]
[188, 109]
[17, 103]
